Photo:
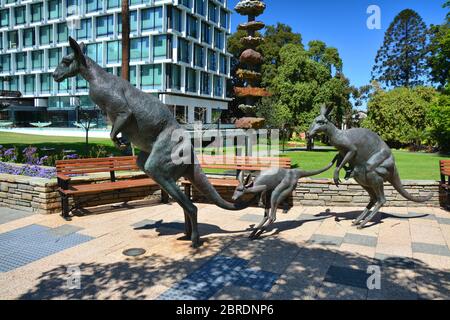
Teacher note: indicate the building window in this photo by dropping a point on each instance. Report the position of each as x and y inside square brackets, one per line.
[212, 12]
[200, 114]
[199, 56]
[191, 80]
[45, 35]
[5, 61]
[219, 39]
[191, 26]
[63, 86]
[36, 12]
[13, 40]
[94, 5]
[205, 83]
[223, 19]
[113, 4]
[95, 52]
[19, 15]
[223, 64]
[184, 50]
[160, 47]
[206, 33]
[218, 86]
[21, 61]
[73, 7]
[105, 26]
[212, 60]
[54, 57]
[174, 74]
[133, 22]
[151, 19]
[180, 114]
[62, 32]
[151, 77]
[14, 83]
[187, 3]
[85, 31]
[114, 52]
[81, 83]
[29, 37]
[139, 48]
[37, 59]
[1, 41]
[46, 82]
[4, 18]
[200, 7]
[135, 2]
[29, 82]
[54, 9]
[174, 18]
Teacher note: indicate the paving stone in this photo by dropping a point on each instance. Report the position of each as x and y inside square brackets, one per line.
[326, 240]
[332, 291]
[445, 221]
[251, 218]
[347, 277]
[8, 215]
[430, 249]
[360, 240]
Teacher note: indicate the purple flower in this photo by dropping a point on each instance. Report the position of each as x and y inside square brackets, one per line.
[9, 152]
[28, 170]
[72, 156]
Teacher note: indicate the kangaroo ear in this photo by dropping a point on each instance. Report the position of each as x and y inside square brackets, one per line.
[241, 178]
[77, 50]
[323, 109]
[328, 111]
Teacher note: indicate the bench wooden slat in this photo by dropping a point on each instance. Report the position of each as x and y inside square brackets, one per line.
[109, 186]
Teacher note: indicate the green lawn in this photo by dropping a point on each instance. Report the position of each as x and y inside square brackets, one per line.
[412, 166]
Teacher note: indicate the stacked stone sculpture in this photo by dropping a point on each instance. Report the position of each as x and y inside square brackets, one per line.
[250, 61]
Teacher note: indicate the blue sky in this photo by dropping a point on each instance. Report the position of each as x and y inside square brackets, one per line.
[342, 24]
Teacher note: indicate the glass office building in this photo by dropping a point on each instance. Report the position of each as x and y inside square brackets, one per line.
[177, 52]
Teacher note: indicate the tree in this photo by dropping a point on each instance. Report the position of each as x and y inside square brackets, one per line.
[275, 38]
[439, 51]
[400, 114]
[401, 60]
[328, 56]
[439, 120]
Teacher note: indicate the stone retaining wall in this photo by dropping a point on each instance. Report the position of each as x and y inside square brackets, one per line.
[40, 195]
[322, 192]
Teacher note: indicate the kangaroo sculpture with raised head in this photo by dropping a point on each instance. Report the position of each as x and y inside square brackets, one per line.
[149, 125]
[370, 160]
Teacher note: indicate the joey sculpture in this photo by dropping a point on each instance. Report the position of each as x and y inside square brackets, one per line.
[149, 125]
[274, 185]
[367, 159]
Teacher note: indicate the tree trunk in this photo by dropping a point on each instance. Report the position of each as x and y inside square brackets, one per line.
[125, 40]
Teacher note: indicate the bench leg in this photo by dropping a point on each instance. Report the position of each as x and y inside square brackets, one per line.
[187, 226]
[164, 197]
[187, 191]
[65, 206]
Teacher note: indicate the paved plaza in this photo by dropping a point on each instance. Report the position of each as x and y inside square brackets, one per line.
[310, 253]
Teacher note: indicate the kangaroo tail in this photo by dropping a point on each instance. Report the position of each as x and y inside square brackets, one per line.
[305, 174]
[397, 184]
[202, 184]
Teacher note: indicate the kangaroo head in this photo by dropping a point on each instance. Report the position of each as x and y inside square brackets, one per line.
[71, 64]
[321, 123]
[244, 184]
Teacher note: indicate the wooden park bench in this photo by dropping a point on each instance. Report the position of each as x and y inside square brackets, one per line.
[66, 169]
[445, 182]
[235, 165]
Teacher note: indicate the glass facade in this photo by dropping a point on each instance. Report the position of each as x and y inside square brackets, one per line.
[174, 46]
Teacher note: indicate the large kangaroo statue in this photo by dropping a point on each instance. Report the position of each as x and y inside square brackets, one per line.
[149, 125]
[370, 159]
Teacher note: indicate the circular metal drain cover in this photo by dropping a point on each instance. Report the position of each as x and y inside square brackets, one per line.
[135, 252]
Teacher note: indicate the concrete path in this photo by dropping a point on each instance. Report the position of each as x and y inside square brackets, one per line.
[311, 253]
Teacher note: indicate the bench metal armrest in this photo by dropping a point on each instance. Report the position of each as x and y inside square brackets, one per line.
[63, 181]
